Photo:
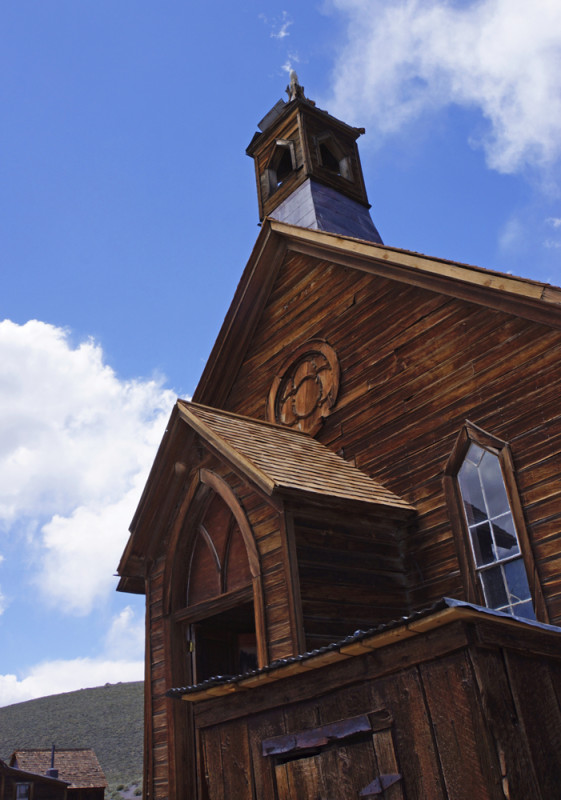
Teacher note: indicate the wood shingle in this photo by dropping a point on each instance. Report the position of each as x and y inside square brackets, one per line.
[79, 767]
[281, 458]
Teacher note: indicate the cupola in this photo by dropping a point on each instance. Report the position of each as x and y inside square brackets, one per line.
[308, 168]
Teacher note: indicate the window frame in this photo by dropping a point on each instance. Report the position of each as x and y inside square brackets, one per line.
[28, 785]
[282, 147]
[472, 434]
[338, 153]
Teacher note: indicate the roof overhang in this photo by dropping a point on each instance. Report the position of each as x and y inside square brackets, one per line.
[280, 463]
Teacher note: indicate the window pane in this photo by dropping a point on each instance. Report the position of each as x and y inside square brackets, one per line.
[492, 479]
[483, 544]
[505, 536]
[517, 581]
[524, 610]
[494, 588]
[474, 454]
[471, 493]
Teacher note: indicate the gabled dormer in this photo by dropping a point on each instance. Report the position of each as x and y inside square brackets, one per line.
[252, 522]
[308, 168]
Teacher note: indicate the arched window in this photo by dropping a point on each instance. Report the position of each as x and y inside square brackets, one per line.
[217, 585]
[487, 515]
[492, 534]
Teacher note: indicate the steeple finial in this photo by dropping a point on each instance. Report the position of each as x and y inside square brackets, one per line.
[294, 89]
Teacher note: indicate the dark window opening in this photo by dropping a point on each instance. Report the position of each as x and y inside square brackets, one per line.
[225, 644]
[328, 160]
[284, 167]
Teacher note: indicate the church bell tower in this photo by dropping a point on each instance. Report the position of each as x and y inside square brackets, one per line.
[308, 168]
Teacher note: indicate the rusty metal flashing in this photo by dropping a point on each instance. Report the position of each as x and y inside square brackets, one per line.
[443, 612]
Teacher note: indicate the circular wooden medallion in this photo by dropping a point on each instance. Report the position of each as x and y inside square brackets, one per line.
[306, 388]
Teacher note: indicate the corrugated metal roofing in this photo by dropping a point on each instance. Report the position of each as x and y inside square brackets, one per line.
[282, 458]
[444, 610]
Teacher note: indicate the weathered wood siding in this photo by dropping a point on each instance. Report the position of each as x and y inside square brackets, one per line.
[414, 365]
[351, 575]
[156, 763]
[39, 789]
[465, 721]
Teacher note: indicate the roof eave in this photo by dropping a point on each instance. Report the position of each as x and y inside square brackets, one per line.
[399, 509]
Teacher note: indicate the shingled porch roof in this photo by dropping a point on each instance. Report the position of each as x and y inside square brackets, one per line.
[280, 459]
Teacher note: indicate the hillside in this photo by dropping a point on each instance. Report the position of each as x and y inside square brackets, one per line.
[108, 718]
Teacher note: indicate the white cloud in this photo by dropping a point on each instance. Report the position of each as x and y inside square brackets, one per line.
[502, 57]
[554, 222]
[121, 660]
[126, 634]
[81, 551]
[76, 444]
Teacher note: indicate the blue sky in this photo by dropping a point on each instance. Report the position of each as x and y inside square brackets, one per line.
[127, 213]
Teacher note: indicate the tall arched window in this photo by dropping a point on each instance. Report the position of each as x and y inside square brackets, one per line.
[224, 640]
[217, 597]
[492, 534]
[487, 516]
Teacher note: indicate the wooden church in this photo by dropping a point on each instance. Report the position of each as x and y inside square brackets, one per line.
[350, 540]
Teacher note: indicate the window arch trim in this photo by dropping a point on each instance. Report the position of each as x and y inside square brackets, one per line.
[472, 434]
[204, 483]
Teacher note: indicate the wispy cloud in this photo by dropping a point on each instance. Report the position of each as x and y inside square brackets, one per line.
[500, 57]
[511, 235]
[279, 25]
[291, 60]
